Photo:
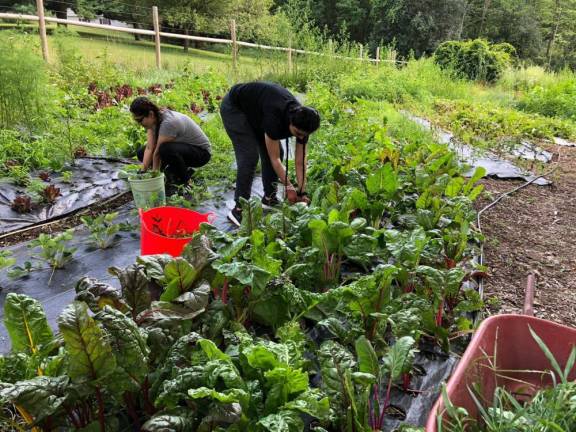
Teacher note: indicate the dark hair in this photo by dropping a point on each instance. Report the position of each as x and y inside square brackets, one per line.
[305, 118]
[141, 106]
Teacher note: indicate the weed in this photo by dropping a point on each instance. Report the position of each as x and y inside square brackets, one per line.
[20, 175]
[67, 176]
[25, 94]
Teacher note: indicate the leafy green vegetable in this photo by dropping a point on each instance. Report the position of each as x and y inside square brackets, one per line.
[90, 353]
[26, 323]
[97, 295]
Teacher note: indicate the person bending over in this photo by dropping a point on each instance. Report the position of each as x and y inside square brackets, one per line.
[256, 116]
[175, 144]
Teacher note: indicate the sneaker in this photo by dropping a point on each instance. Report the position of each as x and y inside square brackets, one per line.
[268, 203]
[189, 173]
[171, 189]
[235, 216]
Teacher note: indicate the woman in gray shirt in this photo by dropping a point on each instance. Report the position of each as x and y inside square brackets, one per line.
[174, 144]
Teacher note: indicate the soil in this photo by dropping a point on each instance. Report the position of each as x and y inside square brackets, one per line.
[533, 231]
[66, 222]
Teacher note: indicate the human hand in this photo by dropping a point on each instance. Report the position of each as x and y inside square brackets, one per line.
[291, 196]
[303, 197]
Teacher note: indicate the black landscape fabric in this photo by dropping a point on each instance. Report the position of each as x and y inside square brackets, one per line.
[92, 180]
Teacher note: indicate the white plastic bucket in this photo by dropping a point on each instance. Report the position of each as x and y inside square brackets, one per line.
[148, 193]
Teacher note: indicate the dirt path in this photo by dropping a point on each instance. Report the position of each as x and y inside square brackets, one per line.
[534, 230]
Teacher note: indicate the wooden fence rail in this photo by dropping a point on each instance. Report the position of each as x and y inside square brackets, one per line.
[157, 35]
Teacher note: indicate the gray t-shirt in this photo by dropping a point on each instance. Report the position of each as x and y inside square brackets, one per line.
[182, 127]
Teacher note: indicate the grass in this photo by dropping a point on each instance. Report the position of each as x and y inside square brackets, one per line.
[139, 56]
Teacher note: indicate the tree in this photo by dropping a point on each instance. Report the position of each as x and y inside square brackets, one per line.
[417, 26]
[189, 15]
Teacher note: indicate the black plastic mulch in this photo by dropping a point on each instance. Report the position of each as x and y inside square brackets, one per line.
[93, 180]
[495, 166]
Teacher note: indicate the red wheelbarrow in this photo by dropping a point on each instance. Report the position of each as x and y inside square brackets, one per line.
[503, 353]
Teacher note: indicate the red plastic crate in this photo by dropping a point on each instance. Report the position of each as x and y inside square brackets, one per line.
[504, 341]
[159, 222]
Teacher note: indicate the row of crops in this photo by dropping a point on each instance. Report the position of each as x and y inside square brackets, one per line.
[306, 318]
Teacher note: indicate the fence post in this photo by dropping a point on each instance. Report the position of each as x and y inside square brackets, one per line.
[361, 51]
[156, 22]
[42, 28]
[234, 44]
[290, 55]
[378, 56]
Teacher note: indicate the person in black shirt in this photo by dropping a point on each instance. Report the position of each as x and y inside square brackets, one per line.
[256, 116]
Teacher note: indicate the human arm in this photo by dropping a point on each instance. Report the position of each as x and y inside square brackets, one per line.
[156, 162]
[301, 161]
[273, 148]
[149, 150]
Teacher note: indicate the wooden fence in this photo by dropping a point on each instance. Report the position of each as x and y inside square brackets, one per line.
[157, 34]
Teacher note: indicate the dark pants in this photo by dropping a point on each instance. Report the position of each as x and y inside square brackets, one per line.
[176, 159]
[249, 146]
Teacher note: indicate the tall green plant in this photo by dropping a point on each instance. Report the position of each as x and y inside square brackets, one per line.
[24, 93]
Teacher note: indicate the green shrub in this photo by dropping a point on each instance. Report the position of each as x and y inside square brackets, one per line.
[554, 99]
[24, 93]
[419, 82]
[477, 59]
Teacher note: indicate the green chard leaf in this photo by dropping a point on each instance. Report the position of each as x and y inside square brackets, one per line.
[90, 353]
[128, 343]
[166, 315]
[198, 252]
[367, 358]
[245, 273]
[177, 421]
[283, 421]
[312, 402]
[179, 276]
[334, 361]
[384, 180]
[228, 396]
[97, 295]
[196, 299]
[153, 265]
[135, 289]
[26, 323]
[399, 358]
[41, 396]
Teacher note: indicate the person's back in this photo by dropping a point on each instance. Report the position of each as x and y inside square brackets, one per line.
[174, 142]
[183, 129]
[266, 106]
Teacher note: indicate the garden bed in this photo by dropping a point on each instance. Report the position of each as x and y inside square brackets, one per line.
[495, 166]
[87, 181]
